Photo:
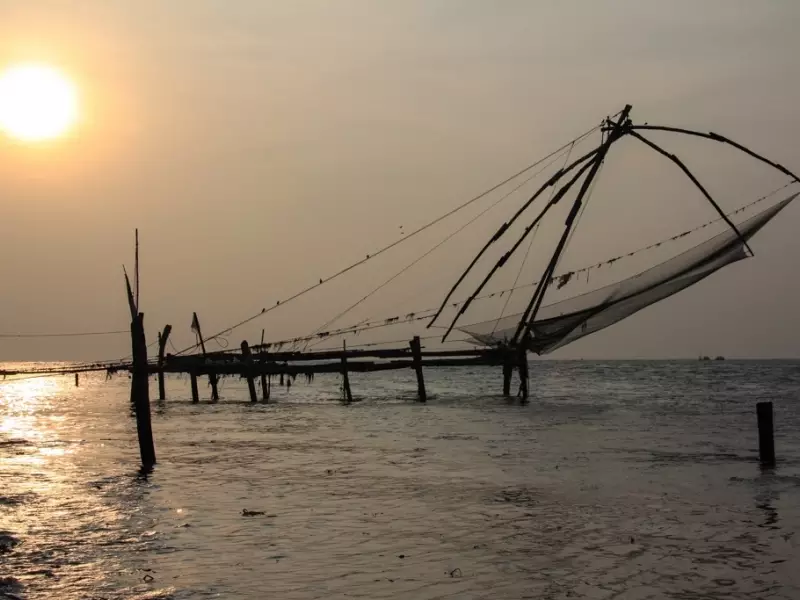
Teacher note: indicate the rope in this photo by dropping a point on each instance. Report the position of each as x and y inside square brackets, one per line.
[528, 251]
[395, 243]
[56, 335]
[423, 314]
[432, 250]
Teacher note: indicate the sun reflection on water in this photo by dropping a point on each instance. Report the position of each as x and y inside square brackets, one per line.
[23, 404]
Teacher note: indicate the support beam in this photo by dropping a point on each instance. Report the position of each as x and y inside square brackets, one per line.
[265, 383]
[140, 393]
[162, 344]
[682, 166]
[140, 374]
[524, 328]
[195, 392]
[248, 372]
[719, 138]
[416, 351]
[505, 257]
[348, 396]
[212, 377]
[766, 441]
[265, 387]
[505, 226]
[508, 371]
[522, 367]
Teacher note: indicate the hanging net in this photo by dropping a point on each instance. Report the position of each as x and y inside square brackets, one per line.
[563, 322]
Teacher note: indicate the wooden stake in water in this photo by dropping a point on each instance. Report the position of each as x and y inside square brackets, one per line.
[212, 377]
[508, 371]
[348, 396]
[416, 351]
[264, 382]
[522, 367]
[162, 345]
[195, 392]
[248, 370]
[140, 388]
[766, 441]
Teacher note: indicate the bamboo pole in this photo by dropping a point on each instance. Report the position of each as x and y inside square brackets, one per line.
[528, 317]
[505, 226]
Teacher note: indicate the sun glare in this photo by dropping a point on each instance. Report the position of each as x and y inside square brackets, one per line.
[37, 103]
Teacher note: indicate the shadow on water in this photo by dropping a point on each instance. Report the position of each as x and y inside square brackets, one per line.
[767, 494]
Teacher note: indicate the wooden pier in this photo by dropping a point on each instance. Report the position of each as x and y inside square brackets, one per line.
[255, 363]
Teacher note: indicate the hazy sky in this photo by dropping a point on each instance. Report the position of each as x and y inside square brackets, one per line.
[260, 145]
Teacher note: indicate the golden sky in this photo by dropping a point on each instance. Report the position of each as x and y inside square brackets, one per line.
[261, 145]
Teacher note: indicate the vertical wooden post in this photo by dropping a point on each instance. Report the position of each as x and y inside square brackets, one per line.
[508, 371]
[212, 377]
[162, 345]
[348, 396]
[248, 371]
[76, 380]
[416, 351]
[766, 442]
[265, 385]
[522, 367]
[140, 387]
[195, 392]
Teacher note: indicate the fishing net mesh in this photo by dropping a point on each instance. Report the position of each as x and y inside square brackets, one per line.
[563, 322]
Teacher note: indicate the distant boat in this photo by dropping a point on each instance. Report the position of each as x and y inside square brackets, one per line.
[720, 358]
[704, 358]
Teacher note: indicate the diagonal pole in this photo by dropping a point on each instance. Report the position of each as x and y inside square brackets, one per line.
[691, 176]
[617, 131]
[503, 259]
[505, 226]
[717, 138]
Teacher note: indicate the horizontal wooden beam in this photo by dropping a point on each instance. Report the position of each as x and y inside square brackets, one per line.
[337, 355]
[272, 368]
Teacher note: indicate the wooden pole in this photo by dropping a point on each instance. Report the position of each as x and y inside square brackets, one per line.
[525, 325]
[140, 385]
[212, 377]
[416, 351]
[136, 268]
[162, 344]
[76, 380]
[264, 387]
[508, 371]
[265, 384]
[348, 396]
[766, 442]
[195, 392]
[522, 367]
[248, 370]
[140, 392]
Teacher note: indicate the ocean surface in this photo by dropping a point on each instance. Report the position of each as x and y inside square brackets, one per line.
[624, 480]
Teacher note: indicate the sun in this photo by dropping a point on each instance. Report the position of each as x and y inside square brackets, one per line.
[37, 103]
